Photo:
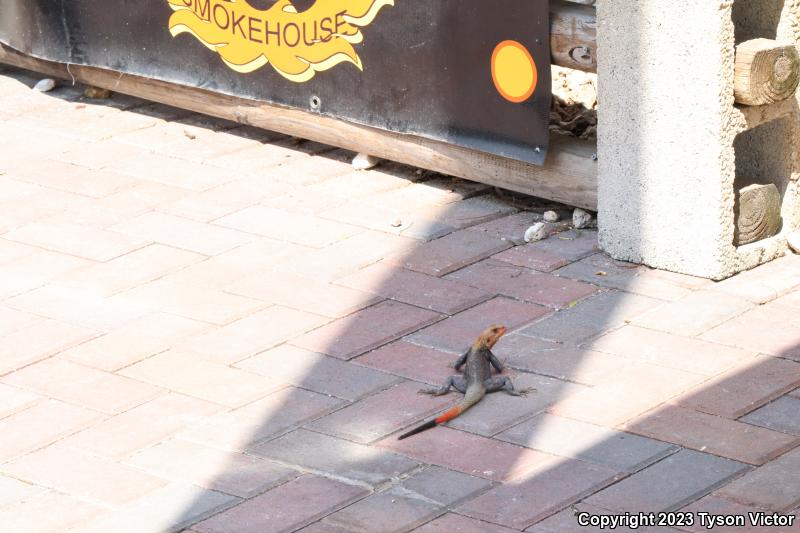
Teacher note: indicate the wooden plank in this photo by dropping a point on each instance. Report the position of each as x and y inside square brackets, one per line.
[569, 174]
[573, 35]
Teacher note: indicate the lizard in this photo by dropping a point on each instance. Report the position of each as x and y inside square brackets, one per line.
[477, 380]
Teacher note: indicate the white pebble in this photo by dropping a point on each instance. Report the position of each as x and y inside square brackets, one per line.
[365, 161]
[550, 216]
[537, 232]
[45, 86]
[581, 219]
[794, 241]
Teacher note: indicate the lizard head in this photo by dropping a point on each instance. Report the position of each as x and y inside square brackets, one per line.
[492, 334]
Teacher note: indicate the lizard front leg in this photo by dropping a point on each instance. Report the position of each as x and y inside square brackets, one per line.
[456, 382]
[495, 362]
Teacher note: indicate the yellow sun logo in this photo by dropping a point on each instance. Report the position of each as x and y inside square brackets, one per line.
[514, 71]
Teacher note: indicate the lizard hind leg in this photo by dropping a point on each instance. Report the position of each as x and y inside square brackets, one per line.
[455, 382]
[498, 383]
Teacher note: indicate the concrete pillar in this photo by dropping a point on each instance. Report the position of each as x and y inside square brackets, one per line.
[672, 145]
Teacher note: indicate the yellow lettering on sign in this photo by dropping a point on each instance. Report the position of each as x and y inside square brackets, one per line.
[297, 45]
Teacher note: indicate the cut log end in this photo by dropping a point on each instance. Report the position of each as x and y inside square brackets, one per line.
[765, 72]
[757, 213]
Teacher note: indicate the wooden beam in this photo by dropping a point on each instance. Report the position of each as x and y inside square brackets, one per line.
[569, 174]
[765, 72]
[573, 35]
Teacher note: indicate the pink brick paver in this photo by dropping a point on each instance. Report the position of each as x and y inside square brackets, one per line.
[522, 283]
[669, 484]
[130, 270]
[230, 472]
[347, 256]
[336, 457]
[774, 335]
[247, 336]
[393, 510]
[775, 486]
[629, 392]
[716, 505]
[381, 414]
[82, 385]
[304, 293]
[477, 456]
[556, 360]
[744, 388]
[142, 426]
[530, 257]
[151, 334]
[51, 512]
[317, 372]
[210, 327]
[39, 340]
[457, 250]
[665, 349]
[429, 292]
[284, 508]
[411, 361]
[40, 425]
[713, 434]
[367, 329]
[265, 418]
[455, 523]
[74, 239]
[97, 480]
[189, 374]
[455, 334]
[13, 399]
[283, 225]
[543, 491]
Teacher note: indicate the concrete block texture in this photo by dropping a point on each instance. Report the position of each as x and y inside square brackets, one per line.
[673, 147]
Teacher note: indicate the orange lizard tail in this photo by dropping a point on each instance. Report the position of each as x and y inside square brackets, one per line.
[472, 397]
[445, 417]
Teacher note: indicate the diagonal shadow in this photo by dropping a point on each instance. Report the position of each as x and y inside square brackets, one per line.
[321, 453]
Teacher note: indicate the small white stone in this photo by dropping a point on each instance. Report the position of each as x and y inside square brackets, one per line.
[365, 161]
[581, 219]
[45, 86]
[794, 241]
[537, 232]
[550, 216]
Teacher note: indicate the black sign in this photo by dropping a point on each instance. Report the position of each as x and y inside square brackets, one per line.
[473, 73]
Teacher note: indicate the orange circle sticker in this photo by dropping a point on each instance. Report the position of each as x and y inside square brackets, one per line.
[514, 71]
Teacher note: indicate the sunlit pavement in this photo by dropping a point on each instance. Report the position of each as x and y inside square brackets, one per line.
[208, 326]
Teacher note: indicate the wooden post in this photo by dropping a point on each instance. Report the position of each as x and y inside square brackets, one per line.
[573, 35]
[757, 213]
[765, 72]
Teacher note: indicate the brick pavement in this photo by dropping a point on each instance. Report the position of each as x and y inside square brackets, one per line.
[208, 327]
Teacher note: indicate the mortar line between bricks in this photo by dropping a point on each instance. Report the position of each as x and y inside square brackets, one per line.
[47, 357]
[136, 248]
[60, 437]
